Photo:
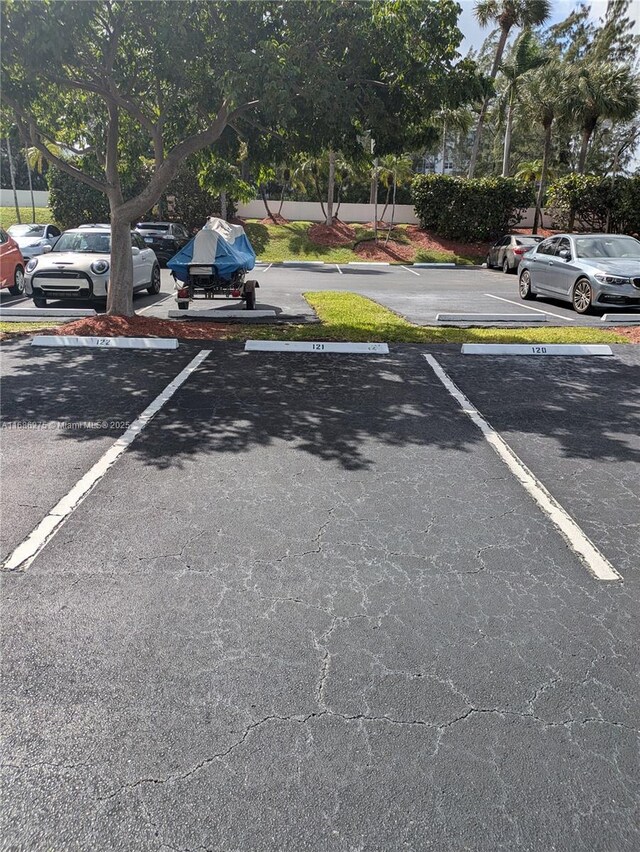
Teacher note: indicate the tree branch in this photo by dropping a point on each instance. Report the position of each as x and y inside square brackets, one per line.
[26, 121]
[164, 173]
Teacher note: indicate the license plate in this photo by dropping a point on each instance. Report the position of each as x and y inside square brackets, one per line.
[148, 239]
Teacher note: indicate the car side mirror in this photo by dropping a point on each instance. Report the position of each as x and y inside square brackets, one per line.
[565, 254]
[135, 250]
[46, 249]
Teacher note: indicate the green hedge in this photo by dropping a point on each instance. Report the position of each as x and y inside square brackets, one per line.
[599, 203]
[469, 210]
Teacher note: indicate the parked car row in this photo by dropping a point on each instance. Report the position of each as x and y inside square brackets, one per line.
[46, 264]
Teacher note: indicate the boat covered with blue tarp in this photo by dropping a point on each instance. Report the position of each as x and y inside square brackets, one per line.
[222, 247]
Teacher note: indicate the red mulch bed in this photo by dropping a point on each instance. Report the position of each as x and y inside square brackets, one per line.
[425, 240]
[138, 326]
[338, 234]
[542, 232]
[630, 331]
[276, 220]
[392, 251]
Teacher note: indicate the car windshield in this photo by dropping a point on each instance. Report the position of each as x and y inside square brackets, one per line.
[27, 230]
[151, 226]
[85, 242]
[607, 247]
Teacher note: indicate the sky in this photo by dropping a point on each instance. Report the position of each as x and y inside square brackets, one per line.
[474, 35]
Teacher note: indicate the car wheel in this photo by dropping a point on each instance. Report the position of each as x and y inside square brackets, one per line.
[39, 301]
[524, 286]
[505, 266]
[18, 282]
[582, 297]
[154, 285]
[489, 264]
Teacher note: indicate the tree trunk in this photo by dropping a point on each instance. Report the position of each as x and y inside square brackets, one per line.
[582, 159]
[13, 181]
[281, 199]
[331, 190]
[319, 196]
[33, 202]
[506, 156]
[263, 195]
[373, 194]
[120, 294]
[386, 203]
[444, 145]
[223, 205]
[485, 104]
[537, 219]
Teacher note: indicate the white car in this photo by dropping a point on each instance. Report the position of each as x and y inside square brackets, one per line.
[33, 239]
[78, 267]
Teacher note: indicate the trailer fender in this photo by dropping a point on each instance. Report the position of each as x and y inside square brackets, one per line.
[250, 286]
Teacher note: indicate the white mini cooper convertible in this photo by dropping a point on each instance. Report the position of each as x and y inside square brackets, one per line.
[78, 267]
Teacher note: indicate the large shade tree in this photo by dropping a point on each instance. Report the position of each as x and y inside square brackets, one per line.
[107, 82]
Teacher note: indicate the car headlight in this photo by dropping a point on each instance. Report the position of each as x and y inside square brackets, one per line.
[32, 264]
[166, 237]
[610, 279]
[99, 266]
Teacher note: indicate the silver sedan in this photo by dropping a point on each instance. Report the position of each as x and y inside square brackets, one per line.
[589, 270]
[33, 238]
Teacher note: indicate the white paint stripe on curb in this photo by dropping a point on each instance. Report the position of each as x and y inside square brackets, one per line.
[24, 317]
[621, 319]
[490, 318]
[588, 553]
[529, 308]
[412, 271]
[318, 347]
[536, 349]
[435, 265]
[155, 304]
[368, 263]
[303, 262]
[26, 552]
[48, 312]
[106, 342]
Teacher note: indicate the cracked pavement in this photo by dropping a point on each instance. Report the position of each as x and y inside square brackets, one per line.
[310, 609]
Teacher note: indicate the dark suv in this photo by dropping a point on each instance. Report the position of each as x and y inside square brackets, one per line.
[165, 238]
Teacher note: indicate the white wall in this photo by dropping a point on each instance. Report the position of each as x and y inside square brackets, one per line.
[40, 196]
[310, 211]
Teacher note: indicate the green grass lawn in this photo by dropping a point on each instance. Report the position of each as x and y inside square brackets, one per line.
[20, 327]
[8, 215]
[349, 317]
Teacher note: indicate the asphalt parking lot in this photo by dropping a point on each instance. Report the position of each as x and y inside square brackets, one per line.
[418, 294]
[309, 607]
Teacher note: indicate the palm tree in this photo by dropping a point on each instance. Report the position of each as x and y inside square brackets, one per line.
[506, 14]
[525, 57]
[603, 90]
[546, 101]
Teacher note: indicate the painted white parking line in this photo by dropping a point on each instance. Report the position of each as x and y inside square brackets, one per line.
[588, 553]
[155, 304]
[339, 270]
[412, 271]
[529, 308]
[27, 551]
[267, 269]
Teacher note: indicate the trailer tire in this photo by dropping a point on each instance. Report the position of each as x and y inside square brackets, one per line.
[183, 306]
[250, 298]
